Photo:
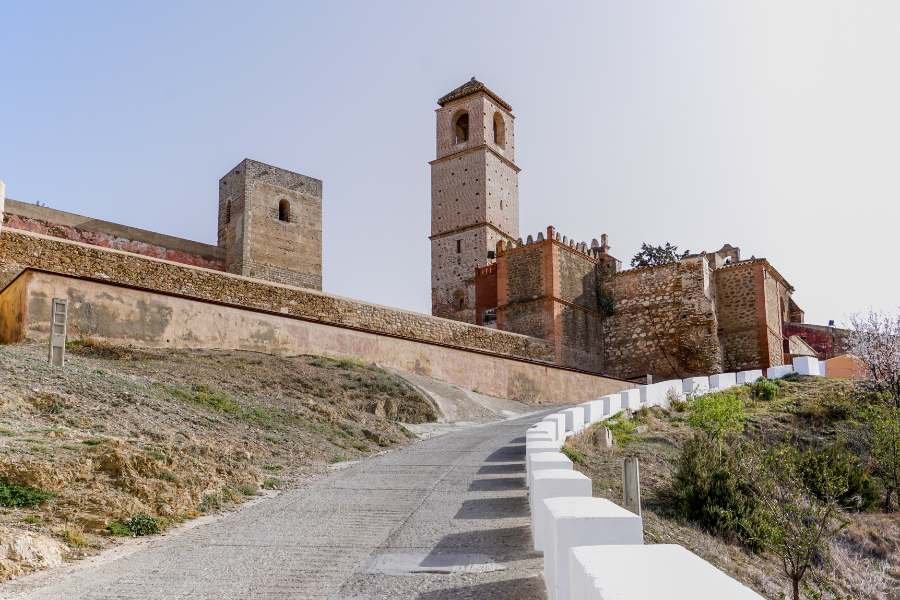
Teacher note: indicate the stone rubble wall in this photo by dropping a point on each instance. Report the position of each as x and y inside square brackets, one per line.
[19, 250]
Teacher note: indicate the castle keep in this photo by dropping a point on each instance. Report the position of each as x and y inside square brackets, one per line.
[703, 314]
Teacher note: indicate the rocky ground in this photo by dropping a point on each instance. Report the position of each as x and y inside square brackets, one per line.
[865, 557]
[124, 442]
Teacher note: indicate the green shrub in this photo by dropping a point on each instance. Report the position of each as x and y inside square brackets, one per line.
[271, 483]
[819, 468]
[623, 428]
[717, 414]
[136, 526]
[574, 455]
[707, 489]
[21, 496]
[764, 389]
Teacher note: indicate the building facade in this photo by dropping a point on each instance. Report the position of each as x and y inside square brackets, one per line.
[705, 313]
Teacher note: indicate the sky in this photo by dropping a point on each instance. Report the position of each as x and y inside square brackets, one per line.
[773, 126]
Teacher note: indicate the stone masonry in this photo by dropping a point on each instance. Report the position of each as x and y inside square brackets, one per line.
[474, 194]
[270, 224]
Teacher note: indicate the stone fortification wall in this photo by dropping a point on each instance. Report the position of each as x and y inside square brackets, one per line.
[77, 228]
[120, 314]
[548, 288]
[19, 250]
[741, 318]
[664, 322]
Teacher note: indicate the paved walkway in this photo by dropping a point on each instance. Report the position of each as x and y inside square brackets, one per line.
[444, 518]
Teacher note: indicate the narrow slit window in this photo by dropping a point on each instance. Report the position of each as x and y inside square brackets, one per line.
[284, 211]
[458, 246]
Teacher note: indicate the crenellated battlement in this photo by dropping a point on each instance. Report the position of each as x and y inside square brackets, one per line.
[596, 251]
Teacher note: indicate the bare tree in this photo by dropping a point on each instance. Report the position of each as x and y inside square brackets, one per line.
[796, 526]
[875, 339]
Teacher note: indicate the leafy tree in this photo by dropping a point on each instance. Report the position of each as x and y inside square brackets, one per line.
[718, 414]
[794, 524]
[875, 339]
[884, 449]
[651, 256]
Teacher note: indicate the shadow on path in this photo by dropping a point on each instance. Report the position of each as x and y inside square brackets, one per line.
[531, 588]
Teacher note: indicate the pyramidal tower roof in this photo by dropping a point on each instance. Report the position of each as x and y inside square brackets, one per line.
[471, 87]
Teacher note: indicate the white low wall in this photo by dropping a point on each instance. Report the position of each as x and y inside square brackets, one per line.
[553, 483]
[661, 571]
[593, 548]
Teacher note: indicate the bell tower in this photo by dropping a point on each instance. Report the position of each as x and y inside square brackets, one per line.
[474, 194]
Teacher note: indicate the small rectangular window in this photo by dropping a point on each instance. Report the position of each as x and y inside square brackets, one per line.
[458, 246]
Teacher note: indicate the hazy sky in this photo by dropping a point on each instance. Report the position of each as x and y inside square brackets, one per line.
[774, 126]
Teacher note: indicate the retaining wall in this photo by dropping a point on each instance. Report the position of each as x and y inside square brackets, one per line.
[130, 299]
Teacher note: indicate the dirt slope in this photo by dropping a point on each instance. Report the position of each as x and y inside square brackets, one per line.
[169, 435]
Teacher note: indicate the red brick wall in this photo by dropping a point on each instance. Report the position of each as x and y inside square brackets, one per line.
[109, 240]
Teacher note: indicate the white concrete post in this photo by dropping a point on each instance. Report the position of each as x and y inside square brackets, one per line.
[581, 522]
[631, 478]
[630, 399]
[546, 460]
[574, 419]
[806, 365]
[59, 309]
[722, 381]
[553, 483]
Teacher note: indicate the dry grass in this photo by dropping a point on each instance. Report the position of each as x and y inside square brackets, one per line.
[866, 556]
[122, 432]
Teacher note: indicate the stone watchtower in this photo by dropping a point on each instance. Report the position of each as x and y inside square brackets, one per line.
[474, 194]
[270, 224]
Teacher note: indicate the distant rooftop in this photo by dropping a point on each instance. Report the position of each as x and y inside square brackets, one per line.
[471, 87]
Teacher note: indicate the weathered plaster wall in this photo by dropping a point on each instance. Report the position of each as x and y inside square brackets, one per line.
[77, 228]
[126, 315]
[12, 310]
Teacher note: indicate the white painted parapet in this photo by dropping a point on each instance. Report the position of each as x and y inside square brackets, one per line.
[666, 390]
[553, 483]
[559, 424]
[578, 522]
[779, 371]
[823, 368]
[546, 460]
[695, 385]
[806, 365]
[630, 399]
[611, 405]
[654, 572]
[574, 419]
[593, 411]
[722, 381]
[749, 376]
[538, 448]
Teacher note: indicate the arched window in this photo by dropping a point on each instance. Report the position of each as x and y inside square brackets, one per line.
[284, 211]
[461, 128]
[499, 130]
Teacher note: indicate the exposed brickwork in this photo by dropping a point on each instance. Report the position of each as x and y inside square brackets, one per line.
[826, 341]
[69, 226]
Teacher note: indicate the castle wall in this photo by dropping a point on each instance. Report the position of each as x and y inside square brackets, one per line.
[145, 318]
[740, 310]
[78, 228]
[20, 250]
[664, 322]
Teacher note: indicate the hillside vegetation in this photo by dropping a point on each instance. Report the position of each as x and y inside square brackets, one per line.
[125, 442]
[696, 481]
